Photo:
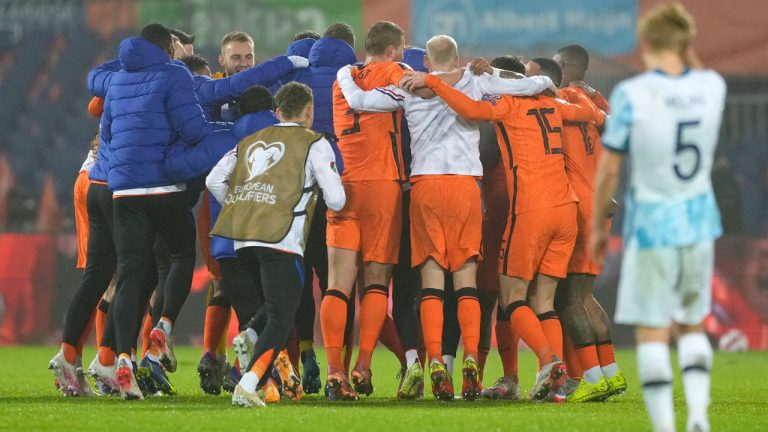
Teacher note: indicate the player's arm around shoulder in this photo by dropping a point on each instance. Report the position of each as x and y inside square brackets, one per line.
[382, 99]
[491, 109]
[322, 163]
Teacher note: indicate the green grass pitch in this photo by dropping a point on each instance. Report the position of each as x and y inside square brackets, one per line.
[29, 401]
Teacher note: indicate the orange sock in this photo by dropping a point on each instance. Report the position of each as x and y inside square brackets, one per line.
[506, 342]
[263, 362]
[70, 353]
[106, 356]
[373, 311]
[391, 340]
[587, 357]
[333, 319]
[550, 323]
[216, 317]
[524, 323]
[605, 353]
[432, 323]
[84, 335]
[101, 320]
[572, 363]
[145, 331]
[469, 320]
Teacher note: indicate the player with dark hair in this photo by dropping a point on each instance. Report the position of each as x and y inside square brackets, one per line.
[588, 349]
[197, 64]
[185, 39]
[342, 31]
[306, 34]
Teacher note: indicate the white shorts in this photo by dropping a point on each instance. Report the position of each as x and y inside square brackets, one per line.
[662, 285]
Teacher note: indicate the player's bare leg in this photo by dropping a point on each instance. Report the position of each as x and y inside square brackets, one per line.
[342, 272]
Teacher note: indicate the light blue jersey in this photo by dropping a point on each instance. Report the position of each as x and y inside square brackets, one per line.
[669, 127]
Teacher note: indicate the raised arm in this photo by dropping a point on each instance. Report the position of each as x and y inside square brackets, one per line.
[323, 163]
[386, 99]
[100, 77]
[217, 181]
[494, 109]
[265, 74]
[184, 111]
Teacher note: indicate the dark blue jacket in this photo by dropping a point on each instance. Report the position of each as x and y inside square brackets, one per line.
[149, 104]
[210, 92]
[326, 57]
[301, 47]
[414, 57]
[246, 125]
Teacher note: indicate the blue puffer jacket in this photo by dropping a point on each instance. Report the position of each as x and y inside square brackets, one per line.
[414, 57]
[300, 48]
[325, 58]
[246, 125]
[150, 103]
[211, 93]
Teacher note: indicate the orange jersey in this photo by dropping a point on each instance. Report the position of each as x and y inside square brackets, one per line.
[529, 137]
[581, 145]
[369, 142]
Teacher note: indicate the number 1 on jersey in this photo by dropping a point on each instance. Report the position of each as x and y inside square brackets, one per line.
[546, 128]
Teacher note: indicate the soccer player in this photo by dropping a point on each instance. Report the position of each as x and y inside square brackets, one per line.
[326, 55]
[667, 121]
[273, 176]
[496, 201]
[368, 229]
[586, 324]
[446, 210]
[541, 228]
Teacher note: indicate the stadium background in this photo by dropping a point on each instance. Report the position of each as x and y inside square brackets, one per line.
[47, 48]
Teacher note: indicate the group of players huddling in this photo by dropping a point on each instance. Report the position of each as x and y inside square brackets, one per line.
[470, 190]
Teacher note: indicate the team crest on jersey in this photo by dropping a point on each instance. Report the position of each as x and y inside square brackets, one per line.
[492, 98]
[261, 156]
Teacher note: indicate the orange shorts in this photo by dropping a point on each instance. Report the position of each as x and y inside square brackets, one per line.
[539, 241]
[203, 233]
[496, 201]
[446, 220]
[81, 217]
[370, 222]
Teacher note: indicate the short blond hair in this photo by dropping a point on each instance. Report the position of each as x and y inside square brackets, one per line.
[236, 36]
[667, 27]
[442, 50]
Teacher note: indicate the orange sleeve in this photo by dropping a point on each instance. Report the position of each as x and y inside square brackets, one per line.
[396, 72]
[581, 109]
[96, 106]
[601, 103]
[495, 109]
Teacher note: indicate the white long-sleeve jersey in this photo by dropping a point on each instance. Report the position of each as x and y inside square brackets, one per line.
[320, 169]
[442, 142]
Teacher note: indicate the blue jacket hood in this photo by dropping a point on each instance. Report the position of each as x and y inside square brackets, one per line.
[414, 57]
[137, 53]
[300, 47]
[330, 51]
[253, 122]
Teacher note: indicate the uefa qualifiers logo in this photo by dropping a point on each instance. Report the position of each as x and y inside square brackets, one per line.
[261, 156]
